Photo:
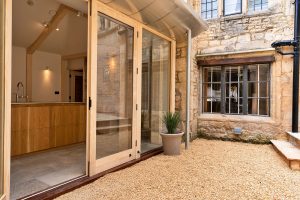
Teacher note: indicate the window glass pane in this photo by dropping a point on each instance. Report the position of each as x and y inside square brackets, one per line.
[203, 7]
[209, 9]
[208, 15]
[263, 106]
[155, 91]
[208, 6]
[114, 89]
[258, 5]
[232, 106]
[251, 5]
[216, 105]
[253, 89]
[234, 74]
[264, 72]
[252, 106]
[264, 89]
[215, 14]
[232, 7]
[206, 74]
[207, 105]
[216, 90]
[252, 73]
[241, 106]
[206, 88]
[216, 74]
[233, 93]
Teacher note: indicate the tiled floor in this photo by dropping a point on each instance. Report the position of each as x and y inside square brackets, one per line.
[38, 171]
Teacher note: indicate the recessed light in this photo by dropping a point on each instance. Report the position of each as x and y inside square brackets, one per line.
[57, 29]
[45, 24]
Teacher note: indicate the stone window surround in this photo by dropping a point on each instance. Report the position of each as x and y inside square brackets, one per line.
[273, 100]
[245, 10]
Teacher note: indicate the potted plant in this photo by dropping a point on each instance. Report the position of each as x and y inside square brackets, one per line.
[172, 139]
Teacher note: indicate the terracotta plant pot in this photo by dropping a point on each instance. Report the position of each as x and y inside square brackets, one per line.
[171, 143]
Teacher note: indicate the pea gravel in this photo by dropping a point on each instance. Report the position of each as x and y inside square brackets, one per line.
[208, 170]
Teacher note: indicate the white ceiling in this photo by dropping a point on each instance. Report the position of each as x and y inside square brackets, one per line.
[27, 26]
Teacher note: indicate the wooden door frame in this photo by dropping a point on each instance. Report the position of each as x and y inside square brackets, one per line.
[95, 7]
[7, 96]
[100, 165]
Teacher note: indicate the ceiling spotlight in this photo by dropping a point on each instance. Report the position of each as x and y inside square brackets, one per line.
[57, 29]
[45, 24]
[79, 14]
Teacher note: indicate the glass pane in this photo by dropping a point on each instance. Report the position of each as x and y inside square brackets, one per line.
[232, 6]
[252, 73]
[206, 105]
[252, 106]
[232, 106]
[203, 7]
[252, 89]
[233, 74]
[216, 90]
[114, 88]
[208, 15]
[2, 12]
[264, 89]
[264, 72]
[215, 13]
[215, 5]
[251, 4]
[216, 105]
[241, 106]
[263, 106]
[206, 90]
[155, 88]
[206, 74]
[216, 74]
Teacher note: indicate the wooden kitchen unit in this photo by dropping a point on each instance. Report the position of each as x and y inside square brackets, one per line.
[41, 126]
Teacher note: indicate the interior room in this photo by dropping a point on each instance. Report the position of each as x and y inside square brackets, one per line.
[49, 81]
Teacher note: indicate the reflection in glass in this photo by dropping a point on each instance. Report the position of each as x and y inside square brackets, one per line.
[155, 88]
[114, 87]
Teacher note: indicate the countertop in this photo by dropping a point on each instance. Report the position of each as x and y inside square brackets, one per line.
[47, 103]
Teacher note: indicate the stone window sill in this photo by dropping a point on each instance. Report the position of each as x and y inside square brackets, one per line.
[235, 118]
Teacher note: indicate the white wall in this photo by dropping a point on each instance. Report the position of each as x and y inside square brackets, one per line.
[18, 70]
[44, 83]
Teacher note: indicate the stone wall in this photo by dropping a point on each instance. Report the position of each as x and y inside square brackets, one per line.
[243, 35]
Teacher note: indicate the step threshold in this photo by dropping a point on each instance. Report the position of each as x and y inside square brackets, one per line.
[288, 150]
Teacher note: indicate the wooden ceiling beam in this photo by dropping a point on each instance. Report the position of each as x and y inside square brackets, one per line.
[60, 14]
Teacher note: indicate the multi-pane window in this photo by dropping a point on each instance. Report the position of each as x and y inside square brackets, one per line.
[241, 90]
[232, 7]
[255, 5]
[209, 9]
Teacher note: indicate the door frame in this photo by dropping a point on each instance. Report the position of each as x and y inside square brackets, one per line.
[100, 165]
[96, 166]
[7, 96]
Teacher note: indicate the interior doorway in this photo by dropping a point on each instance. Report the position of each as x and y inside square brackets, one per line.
[49, 108]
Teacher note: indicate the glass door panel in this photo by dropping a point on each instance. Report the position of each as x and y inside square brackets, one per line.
[156, 64]
[114, 107]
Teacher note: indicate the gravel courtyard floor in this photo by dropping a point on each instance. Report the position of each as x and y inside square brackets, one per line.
[208, 170]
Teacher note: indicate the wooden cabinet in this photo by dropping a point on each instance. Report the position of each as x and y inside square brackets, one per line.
[38, 127]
